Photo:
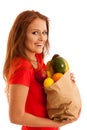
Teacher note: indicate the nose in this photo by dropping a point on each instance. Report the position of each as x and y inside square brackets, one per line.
[40, 37]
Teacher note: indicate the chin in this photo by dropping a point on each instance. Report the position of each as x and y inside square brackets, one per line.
[39, 51]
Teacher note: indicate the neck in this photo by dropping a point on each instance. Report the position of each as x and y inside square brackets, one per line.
[32, 58]
[31, 55]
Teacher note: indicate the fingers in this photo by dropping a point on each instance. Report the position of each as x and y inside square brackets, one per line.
[72, 77]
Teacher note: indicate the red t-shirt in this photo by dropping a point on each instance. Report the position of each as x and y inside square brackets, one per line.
[22, 72]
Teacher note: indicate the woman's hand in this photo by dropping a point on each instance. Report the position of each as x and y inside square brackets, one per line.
[65, 122]
[72, 77]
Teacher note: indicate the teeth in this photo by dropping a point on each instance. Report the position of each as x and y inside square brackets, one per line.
[39, 45]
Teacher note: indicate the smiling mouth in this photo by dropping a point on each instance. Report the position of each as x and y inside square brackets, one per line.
[39, 45]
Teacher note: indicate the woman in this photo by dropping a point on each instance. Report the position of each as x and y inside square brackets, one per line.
[28, 43]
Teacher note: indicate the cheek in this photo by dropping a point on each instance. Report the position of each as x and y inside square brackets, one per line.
[46, 38]
[29, 40]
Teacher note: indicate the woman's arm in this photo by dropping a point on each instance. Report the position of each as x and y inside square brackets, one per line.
[17, 114]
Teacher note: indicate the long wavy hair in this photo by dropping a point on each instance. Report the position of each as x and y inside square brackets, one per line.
[17, 37]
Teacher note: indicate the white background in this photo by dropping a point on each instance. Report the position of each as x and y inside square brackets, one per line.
[68, 37]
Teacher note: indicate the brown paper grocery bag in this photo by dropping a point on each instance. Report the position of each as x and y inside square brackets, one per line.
[63, 99]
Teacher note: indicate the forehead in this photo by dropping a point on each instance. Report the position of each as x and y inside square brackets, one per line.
[38, 24]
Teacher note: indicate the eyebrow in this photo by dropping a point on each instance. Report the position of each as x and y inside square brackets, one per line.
[38, 29]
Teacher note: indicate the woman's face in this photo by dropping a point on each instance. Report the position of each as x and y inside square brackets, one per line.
[36, 36]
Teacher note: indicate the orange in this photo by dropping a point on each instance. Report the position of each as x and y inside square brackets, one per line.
[48, 82]
[57, 76]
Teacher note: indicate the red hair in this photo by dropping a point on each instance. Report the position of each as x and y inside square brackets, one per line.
[17, 36]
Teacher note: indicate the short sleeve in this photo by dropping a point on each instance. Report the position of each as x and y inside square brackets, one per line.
[20, 77]
[20, 72]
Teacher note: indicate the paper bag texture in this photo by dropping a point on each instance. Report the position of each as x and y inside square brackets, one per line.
[63, 99]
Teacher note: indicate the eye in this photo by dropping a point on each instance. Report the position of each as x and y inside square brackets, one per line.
[35, 32]
[44, 33]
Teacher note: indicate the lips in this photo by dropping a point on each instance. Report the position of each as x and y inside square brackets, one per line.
[40, 45]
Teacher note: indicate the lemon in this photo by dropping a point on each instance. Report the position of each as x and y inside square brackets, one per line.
[48, 82]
